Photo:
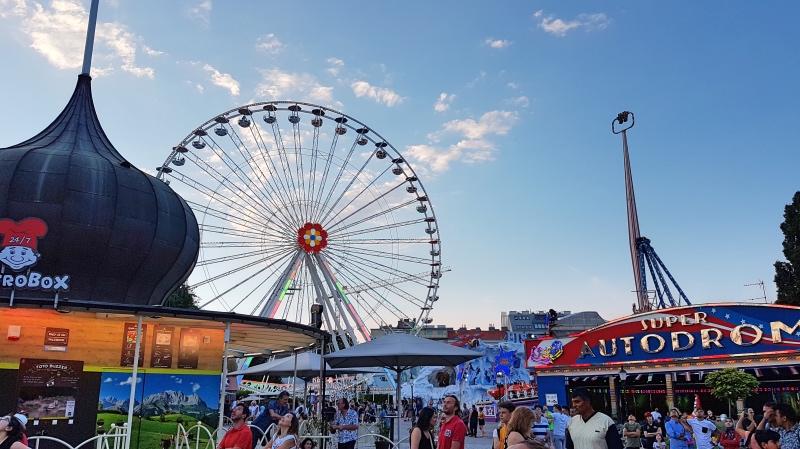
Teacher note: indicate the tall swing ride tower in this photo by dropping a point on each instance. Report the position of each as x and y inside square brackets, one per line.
[642, 252]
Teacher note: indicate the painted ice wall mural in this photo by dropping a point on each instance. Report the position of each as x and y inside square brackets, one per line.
[476, 377]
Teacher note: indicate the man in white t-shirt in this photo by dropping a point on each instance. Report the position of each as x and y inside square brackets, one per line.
[702, 429]
[589, 429]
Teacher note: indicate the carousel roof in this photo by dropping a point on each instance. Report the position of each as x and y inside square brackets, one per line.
[118, 234]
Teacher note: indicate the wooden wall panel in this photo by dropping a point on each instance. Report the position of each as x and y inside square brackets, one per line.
[95, 339]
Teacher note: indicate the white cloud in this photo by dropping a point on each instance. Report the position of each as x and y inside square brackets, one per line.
[269, 44]
[195, 387]
[471, 144]
[150, 52]
[336, 66]
[129, 380]
[278, 85]
[108, 379]
[201, 12]
[538, 13]
[497, 43]
[443, 103]
[481, 76]
[521, 101]
[559, 27]
[13, 8]
[512, 85]
[58, 32]
[493, 122]
[178, 380]
[223, 80]
[379, 94]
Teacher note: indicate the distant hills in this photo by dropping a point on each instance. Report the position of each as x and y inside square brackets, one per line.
[164, 402]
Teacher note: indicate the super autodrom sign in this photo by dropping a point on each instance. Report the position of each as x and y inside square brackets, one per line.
[708, 331]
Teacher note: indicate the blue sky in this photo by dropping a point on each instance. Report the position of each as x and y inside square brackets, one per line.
[504, 110]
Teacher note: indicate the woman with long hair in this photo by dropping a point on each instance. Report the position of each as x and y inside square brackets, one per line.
[421, 435]
[519, 426]
[11, 433]
[286, 436]
[308, 443]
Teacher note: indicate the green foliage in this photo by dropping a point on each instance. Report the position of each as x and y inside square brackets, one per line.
[383, 429]
[183, 298]
[731, 384]
[787, 274]
[149, 433]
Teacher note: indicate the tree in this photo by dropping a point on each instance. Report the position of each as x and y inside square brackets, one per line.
[731, 384]
[787, 274]
[183, 298]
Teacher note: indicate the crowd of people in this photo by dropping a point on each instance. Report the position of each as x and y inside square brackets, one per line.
[577, 426]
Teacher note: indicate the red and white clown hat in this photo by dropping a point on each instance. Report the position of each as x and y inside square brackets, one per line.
[23, 233]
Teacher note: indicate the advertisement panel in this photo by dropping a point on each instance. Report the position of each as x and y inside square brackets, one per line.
[703, 331]
[49, 388]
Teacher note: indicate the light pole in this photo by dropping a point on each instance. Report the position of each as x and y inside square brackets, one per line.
[413, 401]
[622, 376]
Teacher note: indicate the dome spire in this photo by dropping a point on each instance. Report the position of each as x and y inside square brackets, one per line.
[87, 52]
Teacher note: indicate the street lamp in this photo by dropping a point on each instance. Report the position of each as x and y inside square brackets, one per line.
[622, 376]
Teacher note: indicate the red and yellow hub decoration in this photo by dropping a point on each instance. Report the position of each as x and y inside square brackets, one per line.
[312, 238]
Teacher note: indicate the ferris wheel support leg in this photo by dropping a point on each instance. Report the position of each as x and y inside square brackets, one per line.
[322, 297]
[274, 302]
[326, 269]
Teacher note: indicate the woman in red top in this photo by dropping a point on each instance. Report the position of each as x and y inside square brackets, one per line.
[729, 438]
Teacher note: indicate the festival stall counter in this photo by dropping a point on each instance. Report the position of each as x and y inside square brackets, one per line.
[67, 368]
[668, 347]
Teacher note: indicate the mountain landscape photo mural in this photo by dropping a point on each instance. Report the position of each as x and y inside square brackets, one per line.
[159, 394]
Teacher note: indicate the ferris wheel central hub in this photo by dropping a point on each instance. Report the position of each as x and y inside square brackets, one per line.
[312, 238]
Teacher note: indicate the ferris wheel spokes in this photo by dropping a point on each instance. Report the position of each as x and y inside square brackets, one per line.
[330, 277]
[253, 186]
[282, 286]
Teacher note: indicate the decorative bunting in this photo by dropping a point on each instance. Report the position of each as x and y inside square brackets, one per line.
[793, 370]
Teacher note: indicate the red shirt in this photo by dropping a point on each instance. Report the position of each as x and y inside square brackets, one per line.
[240, 437]
[453, 430]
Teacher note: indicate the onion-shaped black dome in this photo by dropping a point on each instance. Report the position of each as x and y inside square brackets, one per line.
[120, 234]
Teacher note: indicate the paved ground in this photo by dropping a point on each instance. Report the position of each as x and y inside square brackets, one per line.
[471, 443]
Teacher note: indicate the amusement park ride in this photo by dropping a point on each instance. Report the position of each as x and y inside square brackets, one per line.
[517, 390]
[295, 210]
[641, 251]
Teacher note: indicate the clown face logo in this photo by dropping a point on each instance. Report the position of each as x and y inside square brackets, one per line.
[20, 242]
[18, 257]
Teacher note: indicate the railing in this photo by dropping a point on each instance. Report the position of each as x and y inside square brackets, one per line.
[200, 436]
[116, 438]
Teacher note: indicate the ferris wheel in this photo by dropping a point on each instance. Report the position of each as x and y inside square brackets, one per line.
[299, 204]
